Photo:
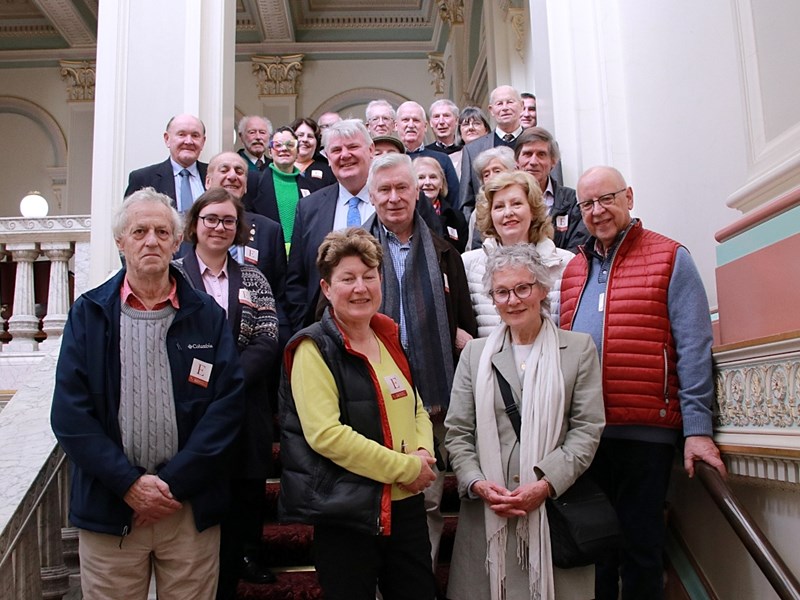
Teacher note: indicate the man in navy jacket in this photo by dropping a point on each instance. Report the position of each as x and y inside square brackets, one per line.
[147, 401]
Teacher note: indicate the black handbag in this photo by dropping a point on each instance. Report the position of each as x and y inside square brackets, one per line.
[584, 526]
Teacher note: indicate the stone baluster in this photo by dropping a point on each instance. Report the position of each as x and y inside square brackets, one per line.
[54, 573]
[23, 324]
[59, 254]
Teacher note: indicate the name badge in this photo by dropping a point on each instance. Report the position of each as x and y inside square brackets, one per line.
[446, 283]
[245, 298]
[451, 231]
[200, 373]
[562, 222]
[251, 255]
[316, 174]
[601, 302]
[395, 387]
[304, 193]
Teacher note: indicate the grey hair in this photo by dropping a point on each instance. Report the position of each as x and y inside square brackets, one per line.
[376, 103]
[538, 134]
[412, 104]
[448, 103]
[243, 124]
[502, 153]
[388, 161]
[519, 255]
[348, 129]
[145, 195]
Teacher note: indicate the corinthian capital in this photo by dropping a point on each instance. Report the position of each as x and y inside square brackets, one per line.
[451, 11]
[278, 75]
[80, 75]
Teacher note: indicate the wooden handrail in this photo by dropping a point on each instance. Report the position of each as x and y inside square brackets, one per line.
[768, 560]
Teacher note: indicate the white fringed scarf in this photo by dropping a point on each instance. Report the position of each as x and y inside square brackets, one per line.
[542, 413]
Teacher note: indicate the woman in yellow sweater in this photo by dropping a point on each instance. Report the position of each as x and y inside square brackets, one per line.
[356, 442]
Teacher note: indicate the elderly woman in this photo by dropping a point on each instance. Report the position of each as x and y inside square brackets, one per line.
[356, 441]
[311, 164]
[488, 164]
[502, 546]
[433, 185]
[214, 223]
[510, 210]
[472, 124]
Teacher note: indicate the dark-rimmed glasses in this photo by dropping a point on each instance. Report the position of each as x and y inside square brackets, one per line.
[503, 295]
[604, 201]
[211, 221]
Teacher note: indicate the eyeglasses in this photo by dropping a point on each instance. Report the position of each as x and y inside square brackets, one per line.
[211, 221]
[605, 200]
[287, 145]
[503, 295]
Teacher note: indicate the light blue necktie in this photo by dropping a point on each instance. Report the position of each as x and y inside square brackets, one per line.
[186, 191]
[353, 216]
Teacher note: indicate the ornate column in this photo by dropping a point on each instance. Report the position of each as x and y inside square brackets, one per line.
[80, 74]
[59, 254]
[451, 11]
[23, 324]
[278, 83]
[72, 186]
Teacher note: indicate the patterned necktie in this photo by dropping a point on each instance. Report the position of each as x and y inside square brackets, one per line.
[260, 164]
[353, 216]
[186, 191]
[437, 205]
[509, 137]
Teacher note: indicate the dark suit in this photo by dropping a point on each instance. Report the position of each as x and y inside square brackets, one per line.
[160, 177]
[319, 173]
[450, 174]
[570, 232]
[261, 197]
[470, 181]
[312, 222]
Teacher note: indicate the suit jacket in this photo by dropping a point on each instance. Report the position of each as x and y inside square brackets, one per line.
[251, 166]
[257, 358]
[570, 230]
[312, 222]
[470, 181]
[261, 197]
[580, 434]
[160, 177]
[449, 150]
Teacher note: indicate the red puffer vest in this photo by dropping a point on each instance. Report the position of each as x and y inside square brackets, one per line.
[640, 381]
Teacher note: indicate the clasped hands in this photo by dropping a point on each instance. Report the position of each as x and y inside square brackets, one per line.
[524, 499]
[151, 500]
[426, 475]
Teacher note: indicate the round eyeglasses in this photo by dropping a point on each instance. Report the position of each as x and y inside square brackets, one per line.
[503, 295]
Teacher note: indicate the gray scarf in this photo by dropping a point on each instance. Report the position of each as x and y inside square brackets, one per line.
[425, 305]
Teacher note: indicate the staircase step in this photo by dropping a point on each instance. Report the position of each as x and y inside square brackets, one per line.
[288, 545]
[300, 584]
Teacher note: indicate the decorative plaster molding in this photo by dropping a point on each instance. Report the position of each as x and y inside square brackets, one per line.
[518, 27]
[343, 100]
[274, 20]
[452, 11]
[66, 17]
[277, 75]
[81, 74]
[37, 114]
[436, 68]
[395, 21]
[52, 229]
[27, 31]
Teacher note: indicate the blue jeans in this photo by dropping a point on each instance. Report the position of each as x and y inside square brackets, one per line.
[635, 476]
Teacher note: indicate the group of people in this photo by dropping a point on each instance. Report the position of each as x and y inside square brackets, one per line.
[397, 302]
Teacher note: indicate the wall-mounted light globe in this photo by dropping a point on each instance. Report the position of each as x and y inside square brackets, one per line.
[33, 205]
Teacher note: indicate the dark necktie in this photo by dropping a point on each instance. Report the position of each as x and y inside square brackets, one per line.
[509, 137]
[353, 216]
[260, 164]
[186, 191]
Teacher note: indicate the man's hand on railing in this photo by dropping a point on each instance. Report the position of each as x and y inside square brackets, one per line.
[702, 447]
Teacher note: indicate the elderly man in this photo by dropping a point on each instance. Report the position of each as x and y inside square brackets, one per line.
[641, 298]
[181, 176]
[505, 106]
[380, 118]
[344, 204]
[425, 292]
[147, 401]
[528, 117]
[411, 126]
[254, 133]
[537, 153]
[444, 123]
